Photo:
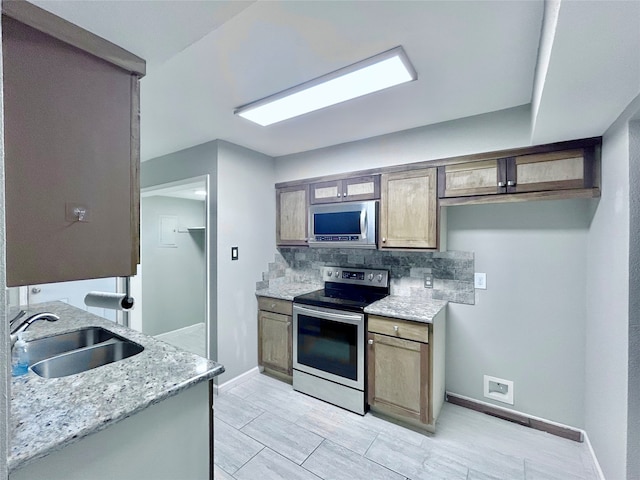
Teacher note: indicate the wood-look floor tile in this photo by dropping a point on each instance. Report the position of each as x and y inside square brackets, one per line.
[333, 462]
[235, 411]
[390, 429]
[417, 463]
[287, 404]
[220, 474]
[286, 438]
[268, 465]
[232, 448]
[341, 427]
[541, 471]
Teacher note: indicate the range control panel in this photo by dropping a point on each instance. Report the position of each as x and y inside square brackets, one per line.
[358, 276]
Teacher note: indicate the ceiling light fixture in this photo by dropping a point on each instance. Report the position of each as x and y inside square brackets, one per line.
[376, 73]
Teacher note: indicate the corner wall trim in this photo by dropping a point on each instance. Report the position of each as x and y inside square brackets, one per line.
[537, 423]
[235, 381]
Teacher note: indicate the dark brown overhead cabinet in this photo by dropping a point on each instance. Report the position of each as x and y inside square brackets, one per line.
[71, 134]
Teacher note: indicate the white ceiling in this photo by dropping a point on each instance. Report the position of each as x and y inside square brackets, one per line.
[207, 57]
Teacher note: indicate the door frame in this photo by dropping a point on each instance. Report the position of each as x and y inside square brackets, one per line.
[136, 283]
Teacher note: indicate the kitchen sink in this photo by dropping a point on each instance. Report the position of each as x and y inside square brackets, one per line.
[81, 360]
[74, 352]
[65, 342]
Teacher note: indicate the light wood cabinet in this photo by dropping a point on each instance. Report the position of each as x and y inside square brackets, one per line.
[275, 335]
[487, 177]
[405, 368]
[292, 215]
[531, 173]
[408, 209]
[398, 376]
[564, 170]
[346, 190]
[71, 133]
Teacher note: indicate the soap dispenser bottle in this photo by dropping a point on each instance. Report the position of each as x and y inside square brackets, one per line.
[20, 357]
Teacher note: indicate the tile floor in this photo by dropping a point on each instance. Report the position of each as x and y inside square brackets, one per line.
[191, 338]
[265, 431]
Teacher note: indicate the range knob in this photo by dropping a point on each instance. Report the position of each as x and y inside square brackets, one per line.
[379, 277]
[337, 273]
[370, 277]
[329, 273]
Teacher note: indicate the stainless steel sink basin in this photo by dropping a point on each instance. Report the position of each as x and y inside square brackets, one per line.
[65, 342]
[79, 351]
[87, 358]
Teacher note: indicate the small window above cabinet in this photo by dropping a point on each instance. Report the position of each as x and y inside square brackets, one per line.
[346, 190]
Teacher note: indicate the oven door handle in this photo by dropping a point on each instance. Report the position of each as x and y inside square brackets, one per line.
[339, 317]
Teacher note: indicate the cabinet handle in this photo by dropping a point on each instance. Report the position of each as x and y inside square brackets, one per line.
[511, 183]
[370, 342]
[384, 240]
[344, 194]
[501, 184]
[395, 328]
[288, 324]
[338, 194]
[273, 305]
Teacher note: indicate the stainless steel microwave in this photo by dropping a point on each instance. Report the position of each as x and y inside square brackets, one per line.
[349, 224]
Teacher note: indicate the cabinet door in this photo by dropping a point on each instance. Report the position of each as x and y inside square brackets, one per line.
[487, 177]
[549, 171]
[70, 137]
[275, 341]
[291, 215]
[361, 188]
[408, 209]
[398, 376]
[325, 192]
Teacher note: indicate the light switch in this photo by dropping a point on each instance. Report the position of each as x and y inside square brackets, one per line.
[480, 280]
[234, 253]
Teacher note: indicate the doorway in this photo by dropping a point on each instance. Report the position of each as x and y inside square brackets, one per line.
[172, 286]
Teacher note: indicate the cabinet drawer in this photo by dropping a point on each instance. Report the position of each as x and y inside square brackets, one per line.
[399, 328]
[276, 305]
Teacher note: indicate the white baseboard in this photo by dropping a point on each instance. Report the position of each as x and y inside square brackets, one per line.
[235, 381]
[593, 456]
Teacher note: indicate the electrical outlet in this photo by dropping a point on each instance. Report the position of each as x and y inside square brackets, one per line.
[234, 253]
[498, 389]
[428, 280]
[480, 280]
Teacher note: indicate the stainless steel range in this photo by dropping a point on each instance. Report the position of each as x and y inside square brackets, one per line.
[329, 335]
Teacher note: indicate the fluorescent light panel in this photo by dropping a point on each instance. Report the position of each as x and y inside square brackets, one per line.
[371, 75]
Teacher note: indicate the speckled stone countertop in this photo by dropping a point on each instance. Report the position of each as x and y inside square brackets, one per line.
[48, 414]
[417, 309]
[287, 291]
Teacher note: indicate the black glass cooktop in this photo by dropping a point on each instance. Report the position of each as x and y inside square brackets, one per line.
[343, 297]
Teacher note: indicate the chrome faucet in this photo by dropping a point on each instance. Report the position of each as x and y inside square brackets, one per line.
[50, 317]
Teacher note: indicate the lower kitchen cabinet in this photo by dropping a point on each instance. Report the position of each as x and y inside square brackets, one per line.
[275, 335]
[406, 369]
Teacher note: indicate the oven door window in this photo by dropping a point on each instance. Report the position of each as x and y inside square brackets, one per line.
[328, 345]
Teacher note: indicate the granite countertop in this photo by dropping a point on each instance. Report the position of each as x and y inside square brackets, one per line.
[287, 291]
[417, 309]
[48, 414]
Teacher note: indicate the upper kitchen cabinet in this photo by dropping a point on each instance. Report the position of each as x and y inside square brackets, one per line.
[291, 215]
[346, 190]
[408, 209]
[544, 172]
[71, 136]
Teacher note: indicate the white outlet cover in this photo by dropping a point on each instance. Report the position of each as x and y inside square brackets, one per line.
[480, 280]
[506, 397]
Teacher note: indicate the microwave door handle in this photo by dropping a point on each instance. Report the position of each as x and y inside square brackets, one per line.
[363, 223]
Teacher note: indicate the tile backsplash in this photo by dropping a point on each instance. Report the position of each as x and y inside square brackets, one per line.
[452, 271]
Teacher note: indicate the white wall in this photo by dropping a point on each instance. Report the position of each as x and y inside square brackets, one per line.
[190, 163]
[561, 353]
[482, 133]
[173, 279]
[607, 319]
[246, 219]
[528, 325]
